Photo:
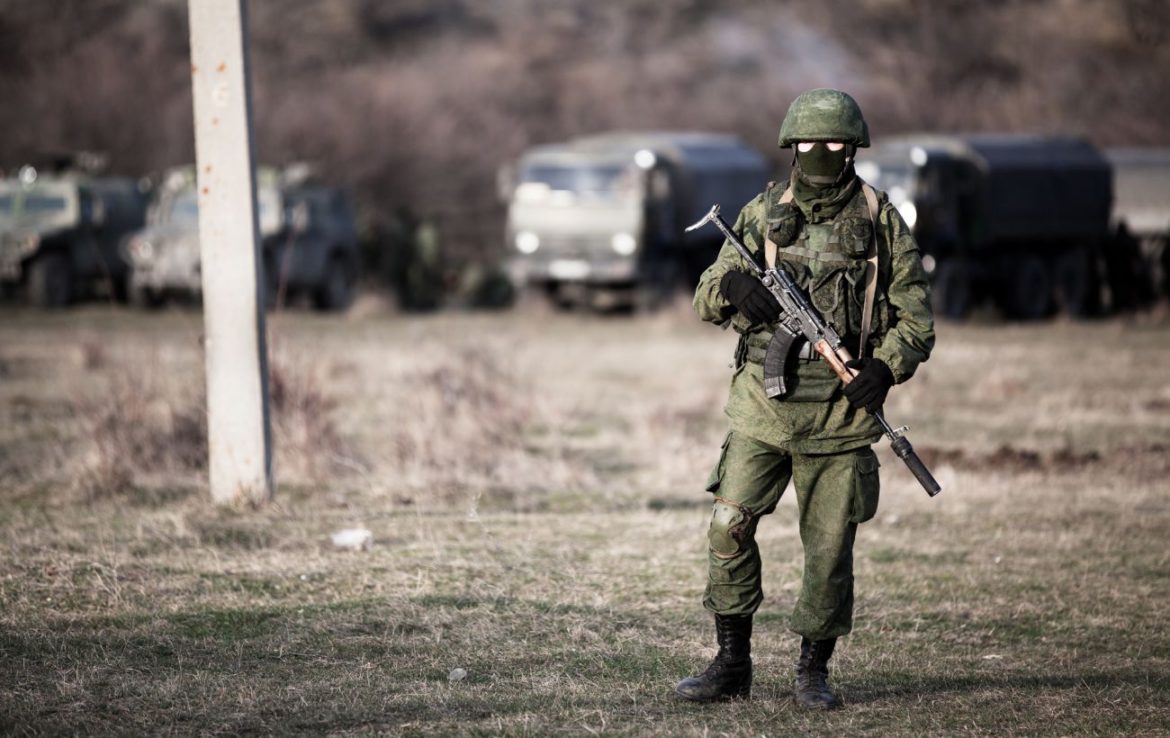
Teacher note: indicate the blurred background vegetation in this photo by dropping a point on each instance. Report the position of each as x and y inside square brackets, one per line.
[417, 103]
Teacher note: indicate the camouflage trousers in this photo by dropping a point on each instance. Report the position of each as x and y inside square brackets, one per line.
[834, 492]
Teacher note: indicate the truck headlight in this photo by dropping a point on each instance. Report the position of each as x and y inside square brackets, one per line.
[141, 249]
[623, 243]
[909, 212]
[527, 242]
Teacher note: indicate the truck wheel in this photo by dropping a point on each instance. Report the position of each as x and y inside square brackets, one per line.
[1074, 283]
[270, 284]
[660, 286]
[335, 292]
[564, 297]
[144, 298]
[951, 291]
[1030, 295]
[50, 282]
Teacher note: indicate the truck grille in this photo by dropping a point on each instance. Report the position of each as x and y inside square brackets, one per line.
[579, 247]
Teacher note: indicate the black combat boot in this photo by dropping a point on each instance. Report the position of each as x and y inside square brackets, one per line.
[812, 675]
[730, 674]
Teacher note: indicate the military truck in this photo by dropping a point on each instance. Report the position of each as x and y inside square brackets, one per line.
[61, 233]
[599, 220]
[307, 231]
[1021, 220]
[1141, 211]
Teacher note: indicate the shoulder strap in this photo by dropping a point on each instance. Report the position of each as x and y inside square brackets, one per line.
[770, 247]
[871, 269]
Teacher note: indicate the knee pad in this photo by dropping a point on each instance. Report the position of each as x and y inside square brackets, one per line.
[729, 528]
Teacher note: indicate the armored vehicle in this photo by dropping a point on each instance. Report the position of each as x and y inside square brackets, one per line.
[307, 231]
[1022, 220]
[599, 220]
[1141, 209]
[61, 233]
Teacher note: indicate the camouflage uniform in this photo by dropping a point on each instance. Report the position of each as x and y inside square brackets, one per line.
[812, 435]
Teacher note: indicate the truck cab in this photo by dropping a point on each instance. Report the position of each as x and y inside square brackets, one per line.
[599, 220]
[61, 234]
[307, 232]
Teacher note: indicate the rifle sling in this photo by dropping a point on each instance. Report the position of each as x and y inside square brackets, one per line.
[871, 271]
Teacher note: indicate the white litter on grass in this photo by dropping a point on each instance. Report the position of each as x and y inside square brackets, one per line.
[457, 675]
[353, 539]
[991, 656]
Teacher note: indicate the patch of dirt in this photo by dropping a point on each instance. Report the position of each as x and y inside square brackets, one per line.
[1012, 459]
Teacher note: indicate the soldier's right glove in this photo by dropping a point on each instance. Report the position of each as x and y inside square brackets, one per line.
[750, 297]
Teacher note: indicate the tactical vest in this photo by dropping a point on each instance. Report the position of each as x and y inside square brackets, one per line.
[828, 260]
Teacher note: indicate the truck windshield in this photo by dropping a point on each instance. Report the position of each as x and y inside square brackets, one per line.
[185, 210]
[35, 206]
[583, 179]
[895, 179]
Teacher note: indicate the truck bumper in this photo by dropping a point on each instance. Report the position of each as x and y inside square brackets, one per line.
[163, 280]
[597, 272]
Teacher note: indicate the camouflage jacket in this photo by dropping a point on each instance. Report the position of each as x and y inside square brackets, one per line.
[828, 261]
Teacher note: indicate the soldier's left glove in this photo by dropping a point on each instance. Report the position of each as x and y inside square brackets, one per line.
[871, 385]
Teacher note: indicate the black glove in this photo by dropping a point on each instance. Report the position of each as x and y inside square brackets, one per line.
[750, 297]
[871, 385]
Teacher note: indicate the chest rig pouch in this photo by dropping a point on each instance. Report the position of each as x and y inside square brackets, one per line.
[835, 262]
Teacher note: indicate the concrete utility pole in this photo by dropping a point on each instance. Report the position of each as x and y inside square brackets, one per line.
[239, 437]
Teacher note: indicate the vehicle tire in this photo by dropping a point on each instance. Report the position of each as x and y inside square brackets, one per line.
[1074, 283]
[952, 289]
[1162, 257]
[564, 297]
[270, 285]
[1030, 289]
[659, 287]
[335, 292]
[144, 298]
[50, 281]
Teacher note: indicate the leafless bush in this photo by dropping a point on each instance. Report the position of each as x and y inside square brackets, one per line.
[139, 429]
[145, 430]
[463, 419]
[307, 442]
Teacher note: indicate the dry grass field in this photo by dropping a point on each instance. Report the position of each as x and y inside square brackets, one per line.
[533, 482]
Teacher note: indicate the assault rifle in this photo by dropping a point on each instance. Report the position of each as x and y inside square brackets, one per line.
[799, 319]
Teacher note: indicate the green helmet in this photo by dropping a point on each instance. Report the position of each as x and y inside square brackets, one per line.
[824, 115]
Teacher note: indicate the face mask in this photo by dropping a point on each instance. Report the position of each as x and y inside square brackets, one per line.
[821, 166]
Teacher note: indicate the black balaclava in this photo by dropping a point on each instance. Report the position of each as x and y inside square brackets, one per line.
[823, 181]
[821, 167]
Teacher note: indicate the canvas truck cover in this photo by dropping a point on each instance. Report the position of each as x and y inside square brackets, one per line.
[1047, 188]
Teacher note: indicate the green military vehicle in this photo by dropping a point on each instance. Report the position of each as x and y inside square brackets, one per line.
[61, 234]
[307, 231]
[599, 220]
[1141, 210]
[1021, 220]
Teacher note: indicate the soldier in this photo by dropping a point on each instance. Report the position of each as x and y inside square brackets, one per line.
[827, 226]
